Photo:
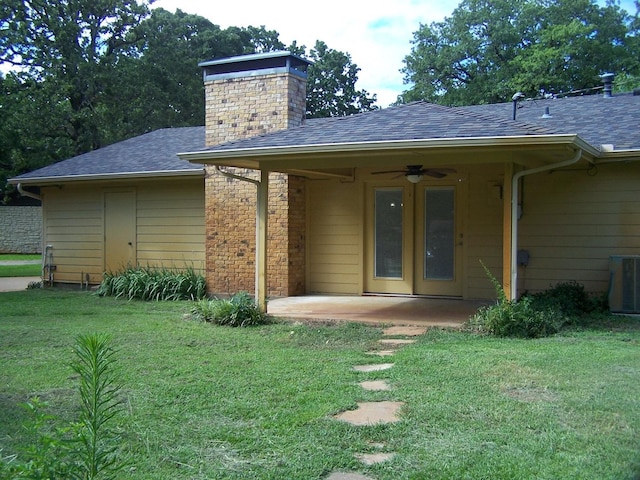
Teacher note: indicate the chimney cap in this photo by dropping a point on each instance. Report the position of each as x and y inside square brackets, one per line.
[255, 64]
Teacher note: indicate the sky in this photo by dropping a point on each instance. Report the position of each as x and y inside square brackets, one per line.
[377, 34]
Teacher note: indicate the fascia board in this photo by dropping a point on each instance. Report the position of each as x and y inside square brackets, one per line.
[105, 176]
[210, 156]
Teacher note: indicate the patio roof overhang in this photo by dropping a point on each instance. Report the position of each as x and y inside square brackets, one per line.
[339, 159]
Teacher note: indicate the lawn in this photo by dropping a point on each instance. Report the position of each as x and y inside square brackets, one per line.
[209, 402]
[34, 270]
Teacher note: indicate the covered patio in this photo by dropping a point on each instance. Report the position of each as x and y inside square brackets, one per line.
[376, 309]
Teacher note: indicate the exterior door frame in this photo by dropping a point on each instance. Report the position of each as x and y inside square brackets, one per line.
[411, 282]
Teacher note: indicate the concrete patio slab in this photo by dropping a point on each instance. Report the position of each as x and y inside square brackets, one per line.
[372, 413]
[379, 310]
[377, 367]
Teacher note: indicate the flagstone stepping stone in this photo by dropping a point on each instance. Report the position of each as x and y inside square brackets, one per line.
[372, 413]
[395, 341]
[382, 353]
[374, 458]
[347, 476]
[373, 368]
[408, 331]
[377, 385]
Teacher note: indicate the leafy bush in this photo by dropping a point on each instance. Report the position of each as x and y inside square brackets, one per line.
[152, 283]
[238, 311]
[571, 299]
[516, 318]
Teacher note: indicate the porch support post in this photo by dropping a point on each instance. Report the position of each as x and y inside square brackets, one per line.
[507, 215]
[262, 208]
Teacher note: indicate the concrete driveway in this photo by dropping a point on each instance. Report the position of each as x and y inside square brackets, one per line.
[15, 284]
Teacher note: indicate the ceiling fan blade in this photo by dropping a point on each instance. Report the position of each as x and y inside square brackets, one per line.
[434, 173]
[388, 171]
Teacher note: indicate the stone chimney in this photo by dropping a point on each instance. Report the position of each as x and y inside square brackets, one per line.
[253, 94]
[247, 96]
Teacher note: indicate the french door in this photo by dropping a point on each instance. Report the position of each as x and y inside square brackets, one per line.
[415, 240]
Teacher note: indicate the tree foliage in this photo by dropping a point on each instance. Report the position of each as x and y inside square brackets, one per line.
[89, 73]
[489, 49]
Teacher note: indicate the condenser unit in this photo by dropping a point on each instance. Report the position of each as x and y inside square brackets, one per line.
[624, 291]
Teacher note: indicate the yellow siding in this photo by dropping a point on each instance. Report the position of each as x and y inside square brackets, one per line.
[170, 229]
[334, 245]
[169, 224]
[483, 232]
[572, 222]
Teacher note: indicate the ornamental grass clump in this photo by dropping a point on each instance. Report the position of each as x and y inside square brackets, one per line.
[238, 311]
[150, 283]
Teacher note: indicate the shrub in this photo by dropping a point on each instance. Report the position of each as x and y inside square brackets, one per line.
[571, 299]
[152, 283]
[516, 318]
[238, 311]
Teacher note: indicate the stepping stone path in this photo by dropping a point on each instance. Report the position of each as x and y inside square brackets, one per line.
[375, 413]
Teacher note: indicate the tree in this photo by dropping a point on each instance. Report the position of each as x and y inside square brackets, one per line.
[489, 49]
[331, 86]
[76, 44]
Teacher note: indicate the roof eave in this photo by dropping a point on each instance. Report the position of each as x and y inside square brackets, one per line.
[52, 180]
[216, 156]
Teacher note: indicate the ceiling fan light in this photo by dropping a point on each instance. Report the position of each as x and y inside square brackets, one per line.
[414, 178]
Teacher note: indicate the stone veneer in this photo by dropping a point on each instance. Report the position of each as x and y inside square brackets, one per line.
[239, 108]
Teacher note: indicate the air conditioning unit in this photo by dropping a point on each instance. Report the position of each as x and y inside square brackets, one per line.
[624, 290]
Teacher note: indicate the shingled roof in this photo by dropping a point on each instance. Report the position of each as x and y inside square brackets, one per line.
[596, 119]
[412, 121]
[149, 154]
[599, 120]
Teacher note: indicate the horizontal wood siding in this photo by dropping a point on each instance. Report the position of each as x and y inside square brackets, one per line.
[572, 221]
[483, 232]
[170, 225]
[334, 245]
[73, 226]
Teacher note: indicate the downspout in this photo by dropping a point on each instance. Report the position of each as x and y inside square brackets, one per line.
[261, 231]
[514, 213]
[24, 193]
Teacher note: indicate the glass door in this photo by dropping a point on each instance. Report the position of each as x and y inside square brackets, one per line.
[389, 230]
[439, 241]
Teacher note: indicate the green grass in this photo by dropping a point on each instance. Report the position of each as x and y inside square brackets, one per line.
[208, 402]
[20, 270]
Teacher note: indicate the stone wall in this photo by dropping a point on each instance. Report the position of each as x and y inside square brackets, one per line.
[20, 229]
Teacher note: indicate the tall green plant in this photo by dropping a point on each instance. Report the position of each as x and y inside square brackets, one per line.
[97, 447]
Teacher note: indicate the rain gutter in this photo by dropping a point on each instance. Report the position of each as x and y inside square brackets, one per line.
[514, 213]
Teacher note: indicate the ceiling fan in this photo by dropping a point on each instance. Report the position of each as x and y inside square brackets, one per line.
[414, 173]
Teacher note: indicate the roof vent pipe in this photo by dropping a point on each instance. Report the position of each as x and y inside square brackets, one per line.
[515, 99]
[607, 79]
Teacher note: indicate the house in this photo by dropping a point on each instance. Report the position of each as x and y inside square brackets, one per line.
[408, 200]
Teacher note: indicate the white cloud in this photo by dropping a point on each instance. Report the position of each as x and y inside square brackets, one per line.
[377, 34]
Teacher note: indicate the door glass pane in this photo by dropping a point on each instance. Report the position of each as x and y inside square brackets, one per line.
[388, 233]
[439, 237]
